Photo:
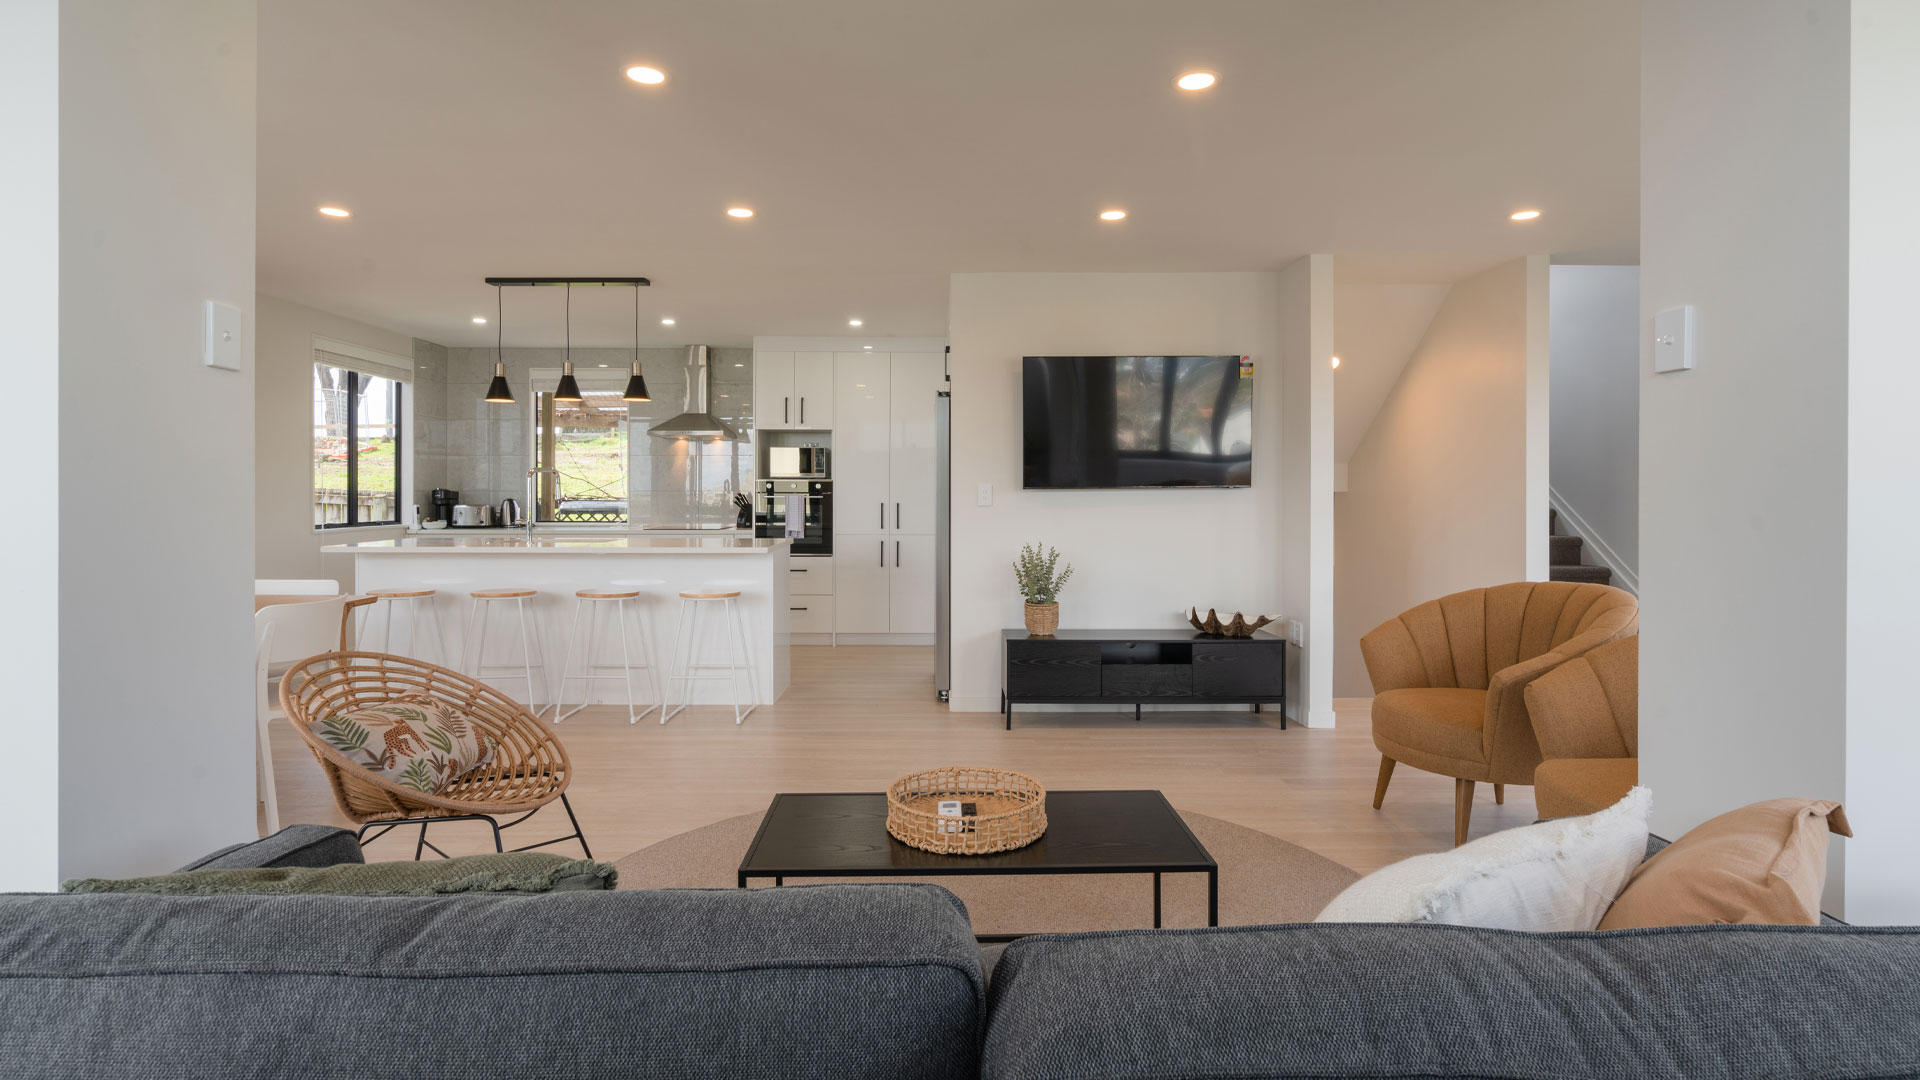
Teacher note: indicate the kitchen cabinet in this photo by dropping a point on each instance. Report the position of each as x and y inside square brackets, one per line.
[861, 572]
[914, 381]
[792, 391]
[910, 585]
[883, 490]
[862, 435]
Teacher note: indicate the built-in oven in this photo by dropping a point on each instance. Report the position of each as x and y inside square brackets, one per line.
[800, 510]
[797, 462]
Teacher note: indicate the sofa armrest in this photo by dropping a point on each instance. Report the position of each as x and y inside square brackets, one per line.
[294, 846]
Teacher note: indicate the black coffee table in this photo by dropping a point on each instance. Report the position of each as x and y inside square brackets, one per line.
[1088, 832]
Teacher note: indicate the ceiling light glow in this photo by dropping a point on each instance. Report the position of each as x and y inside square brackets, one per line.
[1336, 363]
[646, 75]
[479, 320]
[1523, 215]
[336, 211]
[739, 212]
[855, 322]
[1196, 80]
[666, 322]
[1113, 215]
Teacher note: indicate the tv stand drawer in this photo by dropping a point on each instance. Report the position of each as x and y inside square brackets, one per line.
[1146, 680]
[1051, 669]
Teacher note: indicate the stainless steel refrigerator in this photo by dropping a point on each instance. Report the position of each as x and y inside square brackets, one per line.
[942, 546]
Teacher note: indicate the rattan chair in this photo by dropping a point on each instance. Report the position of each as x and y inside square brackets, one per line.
[530, 769]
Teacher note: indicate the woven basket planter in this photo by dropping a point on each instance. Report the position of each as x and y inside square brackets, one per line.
[1043, 619]
[1010, 810]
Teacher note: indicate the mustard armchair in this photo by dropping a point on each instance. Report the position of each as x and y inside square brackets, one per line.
[1586, 716]
[1449, 679]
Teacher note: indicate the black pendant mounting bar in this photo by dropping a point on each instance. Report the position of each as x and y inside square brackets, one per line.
[579, 282]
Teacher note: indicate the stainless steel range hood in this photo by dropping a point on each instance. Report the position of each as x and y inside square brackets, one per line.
[694, 421]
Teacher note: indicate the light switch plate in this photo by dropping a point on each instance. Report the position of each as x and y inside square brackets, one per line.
[986, 495]
[1673, 340]
[1296, 633]
[222, 345]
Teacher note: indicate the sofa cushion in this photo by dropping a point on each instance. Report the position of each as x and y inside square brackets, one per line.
[507, 872]
[1566, 787]
[1764, 863]
[1449, 723]
[808, 981]
[1554, 875]
[295, 845]
[1430, 1001]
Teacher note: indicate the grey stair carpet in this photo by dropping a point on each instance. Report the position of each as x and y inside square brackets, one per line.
[1564, 556]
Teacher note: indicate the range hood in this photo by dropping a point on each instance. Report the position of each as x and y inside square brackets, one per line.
[694, 421]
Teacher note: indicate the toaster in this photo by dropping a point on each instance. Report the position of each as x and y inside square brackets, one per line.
[468, 516]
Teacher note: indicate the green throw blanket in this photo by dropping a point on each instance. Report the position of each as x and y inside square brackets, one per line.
[513, 872]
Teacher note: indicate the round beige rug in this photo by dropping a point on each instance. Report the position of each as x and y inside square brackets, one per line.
[1262, 880]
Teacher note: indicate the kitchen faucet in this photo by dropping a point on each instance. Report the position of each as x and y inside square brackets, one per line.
[533, 497]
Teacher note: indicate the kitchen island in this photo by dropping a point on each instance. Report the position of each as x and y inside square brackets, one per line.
[558, 563]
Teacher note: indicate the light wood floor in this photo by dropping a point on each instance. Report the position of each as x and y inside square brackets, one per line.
[858, 716]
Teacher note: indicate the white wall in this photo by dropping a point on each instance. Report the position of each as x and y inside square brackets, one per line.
[1447, 490]
[1883, 384]
[286, 544]
[1595, 452]
[1307, 481]
[30, 309]
[1743, 461]
[1140, 557]
[156, 213]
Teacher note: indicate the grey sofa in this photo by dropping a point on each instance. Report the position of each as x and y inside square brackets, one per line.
[885, 980]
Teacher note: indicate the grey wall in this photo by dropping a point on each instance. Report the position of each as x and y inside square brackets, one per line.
[483, 450]
[1595, 463]
[429, 433]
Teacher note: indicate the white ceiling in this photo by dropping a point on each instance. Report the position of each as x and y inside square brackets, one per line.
[888, 143]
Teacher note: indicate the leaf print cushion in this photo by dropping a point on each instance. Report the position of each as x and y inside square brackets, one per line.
[414, 742]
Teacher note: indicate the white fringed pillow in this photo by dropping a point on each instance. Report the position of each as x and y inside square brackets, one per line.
[1556, 875]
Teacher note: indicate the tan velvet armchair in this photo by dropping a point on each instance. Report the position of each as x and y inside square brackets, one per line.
[1586, 716]
[1449, 678]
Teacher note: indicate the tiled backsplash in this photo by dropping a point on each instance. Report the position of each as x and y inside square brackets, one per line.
[482, 450]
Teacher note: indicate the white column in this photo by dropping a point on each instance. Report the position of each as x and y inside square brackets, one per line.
[1306, 482]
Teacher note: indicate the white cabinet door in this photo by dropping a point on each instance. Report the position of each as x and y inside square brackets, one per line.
[813, 390]
[860, 568]
[861, 437]
[916, 379]
[772, 390]
[910, 584]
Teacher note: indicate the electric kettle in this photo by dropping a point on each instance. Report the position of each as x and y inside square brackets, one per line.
[510, 514]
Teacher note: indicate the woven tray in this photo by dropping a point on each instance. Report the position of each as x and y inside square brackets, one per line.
[1010, 810]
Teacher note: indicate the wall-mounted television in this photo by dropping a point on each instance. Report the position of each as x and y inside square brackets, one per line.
[1137, 421]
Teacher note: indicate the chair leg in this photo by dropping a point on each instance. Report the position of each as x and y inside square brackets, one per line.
[578, 833]
[1499, 794]
[1380, 786]
[1462, 810]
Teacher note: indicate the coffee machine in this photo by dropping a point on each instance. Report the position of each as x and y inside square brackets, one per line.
[443, 503]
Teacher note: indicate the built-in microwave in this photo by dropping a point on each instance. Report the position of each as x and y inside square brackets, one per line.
[797, 462]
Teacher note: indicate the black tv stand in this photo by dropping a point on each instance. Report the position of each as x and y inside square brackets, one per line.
[1142, 667]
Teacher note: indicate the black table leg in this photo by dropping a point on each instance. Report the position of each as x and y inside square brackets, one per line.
[777, 882]
[740, 881]
[1256, 706]
[1136, 712]
[1213, 896]
[1156, 899]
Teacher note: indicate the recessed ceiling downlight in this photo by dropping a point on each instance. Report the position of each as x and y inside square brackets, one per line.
[666, 322]
[1196, 80]
[1336, 363]
[739, 212]
[336, 211]
[646, 76]
[855, 322]
[1523, 215]
[479, 320]
[1113, 215]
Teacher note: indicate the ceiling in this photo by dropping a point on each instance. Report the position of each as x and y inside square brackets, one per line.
[885, 144]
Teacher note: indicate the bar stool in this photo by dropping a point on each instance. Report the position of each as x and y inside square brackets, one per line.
[588, 602]
[386, 600]
[474, 636]
[691, 603]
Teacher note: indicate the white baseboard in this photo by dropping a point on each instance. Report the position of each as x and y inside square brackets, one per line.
[883, 639]
[1623, 575]
[810, 639]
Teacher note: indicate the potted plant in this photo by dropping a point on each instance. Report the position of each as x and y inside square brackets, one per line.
[1040, 583]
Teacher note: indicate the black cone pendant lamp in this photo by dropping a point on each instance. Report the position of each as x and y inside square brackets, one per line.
[498, 392]
[636, 383]
[568, 390]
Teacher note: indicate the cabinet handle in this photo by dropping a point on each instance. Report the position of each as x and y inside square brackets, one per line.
[796, 609]
[803, 410]
[797, 570]
[896, 554]
[883, 553]
[883, 518]
[786, 410]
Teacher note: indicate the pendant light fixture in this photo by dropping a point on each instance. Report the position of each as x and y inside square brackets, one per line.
[636, 383]
[568, 390]
[498, 392]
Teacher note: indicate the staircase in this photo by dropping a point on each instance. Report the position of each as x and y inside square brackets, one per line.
[1563, 556]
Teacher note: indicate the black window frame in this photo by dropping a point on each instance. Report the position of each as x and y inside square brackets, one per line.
[353, 459]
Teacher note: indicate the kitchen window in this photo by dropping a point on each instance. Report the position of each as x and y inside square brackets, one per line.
[585, 442]
[356, 448]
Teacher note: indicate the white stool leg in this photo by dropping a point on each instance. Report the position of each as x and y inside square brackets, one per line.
[526, 654]
[644, 634]
[386, 628]
[413, 626]
[626, 656]
[738, 632]
[469, 664]
[566, 662]
[439, 632]
[682, 657]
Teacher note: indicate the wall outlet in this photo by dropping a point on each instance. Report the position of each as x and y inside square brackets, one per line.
[1296, 633]
[986, 495]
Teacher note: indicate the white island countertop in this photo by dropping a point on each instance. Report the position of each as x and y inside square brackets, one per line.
[614, 544]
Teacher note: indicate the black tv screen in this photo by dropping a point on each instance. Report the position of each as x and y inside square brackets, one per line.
[1138, 421]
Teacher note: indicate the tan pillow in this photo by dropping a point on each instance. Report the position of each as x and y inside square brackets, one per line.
[1764, 863]
[415, 742]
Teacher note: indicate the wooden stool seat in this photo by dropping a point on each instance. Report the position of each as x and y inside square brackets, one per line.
[501, 594]
[399, 594]
[710, 595]
[608, 594]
